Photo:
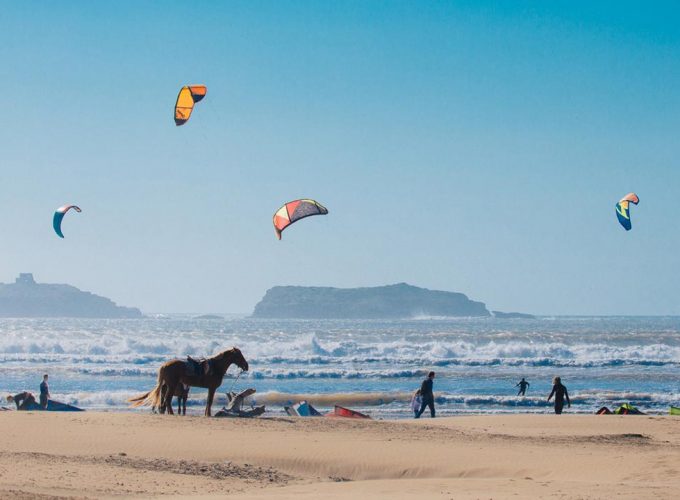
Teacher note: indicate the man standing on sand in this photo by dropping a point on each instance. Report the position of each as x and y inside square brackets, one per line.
[427, 395]
[560, 393]
[44, 393]
[523, 384]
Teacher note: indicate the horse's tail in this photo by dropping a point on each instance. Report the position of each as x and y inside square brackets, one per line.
[153, 397]
[140, 400]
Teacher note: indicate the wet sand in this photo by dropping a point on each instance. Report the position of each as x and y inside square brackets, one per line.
[100, 455]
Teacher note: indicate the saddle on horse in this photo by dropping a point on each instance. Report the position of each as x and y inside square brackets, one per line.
[198, 367]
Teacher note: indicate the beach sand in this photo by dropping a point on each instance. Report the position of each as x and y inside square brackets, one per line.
[86, 455]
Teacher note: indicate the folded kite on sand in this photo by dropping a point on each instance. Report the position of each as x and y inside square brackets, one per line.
[624, 409]
[302, 409]
[343, 412]
[52, 405]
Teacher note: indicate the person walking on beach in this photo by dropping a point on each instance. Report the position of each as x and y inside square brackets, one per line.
[23, 400]
[523, 384]
[427, 395]
[560, 393]
[416, 401]
[44, 392]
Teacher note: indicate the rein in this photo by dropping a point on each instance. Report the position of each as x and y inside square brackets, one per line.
[235, 380]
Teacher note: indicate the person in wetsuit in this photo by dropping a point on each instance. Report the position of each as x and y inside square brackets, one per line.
[560, 393]
[427, 395]
[22, 400]
[44, 392]
[523, 384]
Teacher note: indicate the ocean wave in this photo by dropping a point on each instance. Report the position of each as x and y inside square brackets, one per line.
[330, 399]
[118, 372]
[334, 374]
[354, 368]
[434, 350]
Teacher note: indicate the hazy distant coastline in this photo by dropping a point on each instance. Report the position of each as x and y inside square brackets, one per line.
[27, 299]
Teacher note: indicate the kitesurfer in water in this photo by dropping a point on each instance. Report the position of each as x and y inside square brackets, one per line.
[523, 384]
[560, 393]
[427, 395]
[44, 392]
[22, 400]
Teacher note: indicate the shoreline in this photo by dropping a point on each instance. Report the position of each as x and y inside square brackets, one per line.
[381, 406]
[106, 454]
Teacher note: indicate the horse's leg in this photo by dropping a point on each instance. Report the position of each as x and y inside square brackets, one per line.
[161, 408]
[168, 400]
[185, 396]
[208, 406]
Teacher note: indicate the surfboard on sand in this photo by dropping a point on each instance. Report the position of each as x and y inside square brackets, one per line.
[674, 410]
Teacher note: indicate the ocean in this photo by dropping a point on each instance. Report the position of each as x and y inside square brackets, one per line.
[371, 366]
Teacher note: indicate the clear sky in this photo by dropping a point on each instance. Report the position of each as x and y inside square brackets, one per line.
[465, 146]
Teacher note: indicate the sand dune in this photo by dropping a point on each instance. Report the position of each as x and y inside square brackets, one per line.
[139, 455]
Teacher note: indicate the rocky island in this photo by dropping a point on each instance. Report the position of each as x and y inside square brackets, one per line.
[512, 315]
[398, 301]
[27, 299]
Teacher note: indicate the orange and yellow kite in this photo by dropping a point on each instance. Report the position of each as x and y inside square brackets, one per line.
[188, 96]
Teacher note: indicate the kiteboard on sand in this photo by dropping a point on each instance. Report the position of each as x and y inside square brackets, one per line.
[674, 410]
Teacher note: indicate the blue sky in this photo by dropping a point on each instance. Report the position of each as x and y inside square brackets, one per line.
[466, 146]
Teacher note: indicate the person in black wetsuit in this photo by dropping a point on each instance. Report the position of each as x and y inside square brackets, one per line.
[560, 393]
[427, 396]
[22, 400]
[44, 392]
[523, 384]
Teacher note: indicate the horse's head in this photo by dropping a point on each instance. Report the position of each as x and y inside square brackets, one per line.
[235, 356]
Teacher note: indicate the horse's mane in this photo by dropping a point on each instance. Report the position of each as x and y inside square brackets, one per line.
[222, 354]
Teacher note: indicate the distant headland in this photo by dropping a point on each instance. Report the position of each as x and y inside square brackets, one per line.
[382, 302]
[27, 299]
[512, 315]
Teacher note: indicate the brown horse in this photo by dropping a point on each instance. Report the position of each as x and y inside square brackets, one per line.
[174, 373]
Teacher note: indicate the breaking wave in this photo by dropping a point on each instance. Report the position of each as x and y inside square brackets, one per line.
[315, 352]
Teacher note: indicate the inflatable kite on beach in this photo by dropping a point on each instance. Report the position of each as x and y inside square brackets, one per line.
[623, 209]
[59, 216]
[293, 211]
[187, 97]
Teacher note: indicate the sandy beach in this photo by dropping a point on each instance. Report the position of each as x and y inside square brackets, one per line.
[99, 455]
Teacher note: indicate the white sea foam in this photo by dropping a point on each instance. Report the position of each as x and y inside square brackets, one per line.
[314, 351]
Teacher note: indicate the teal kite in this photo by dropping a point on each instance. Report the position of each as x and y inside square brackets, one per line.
[59, 216]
